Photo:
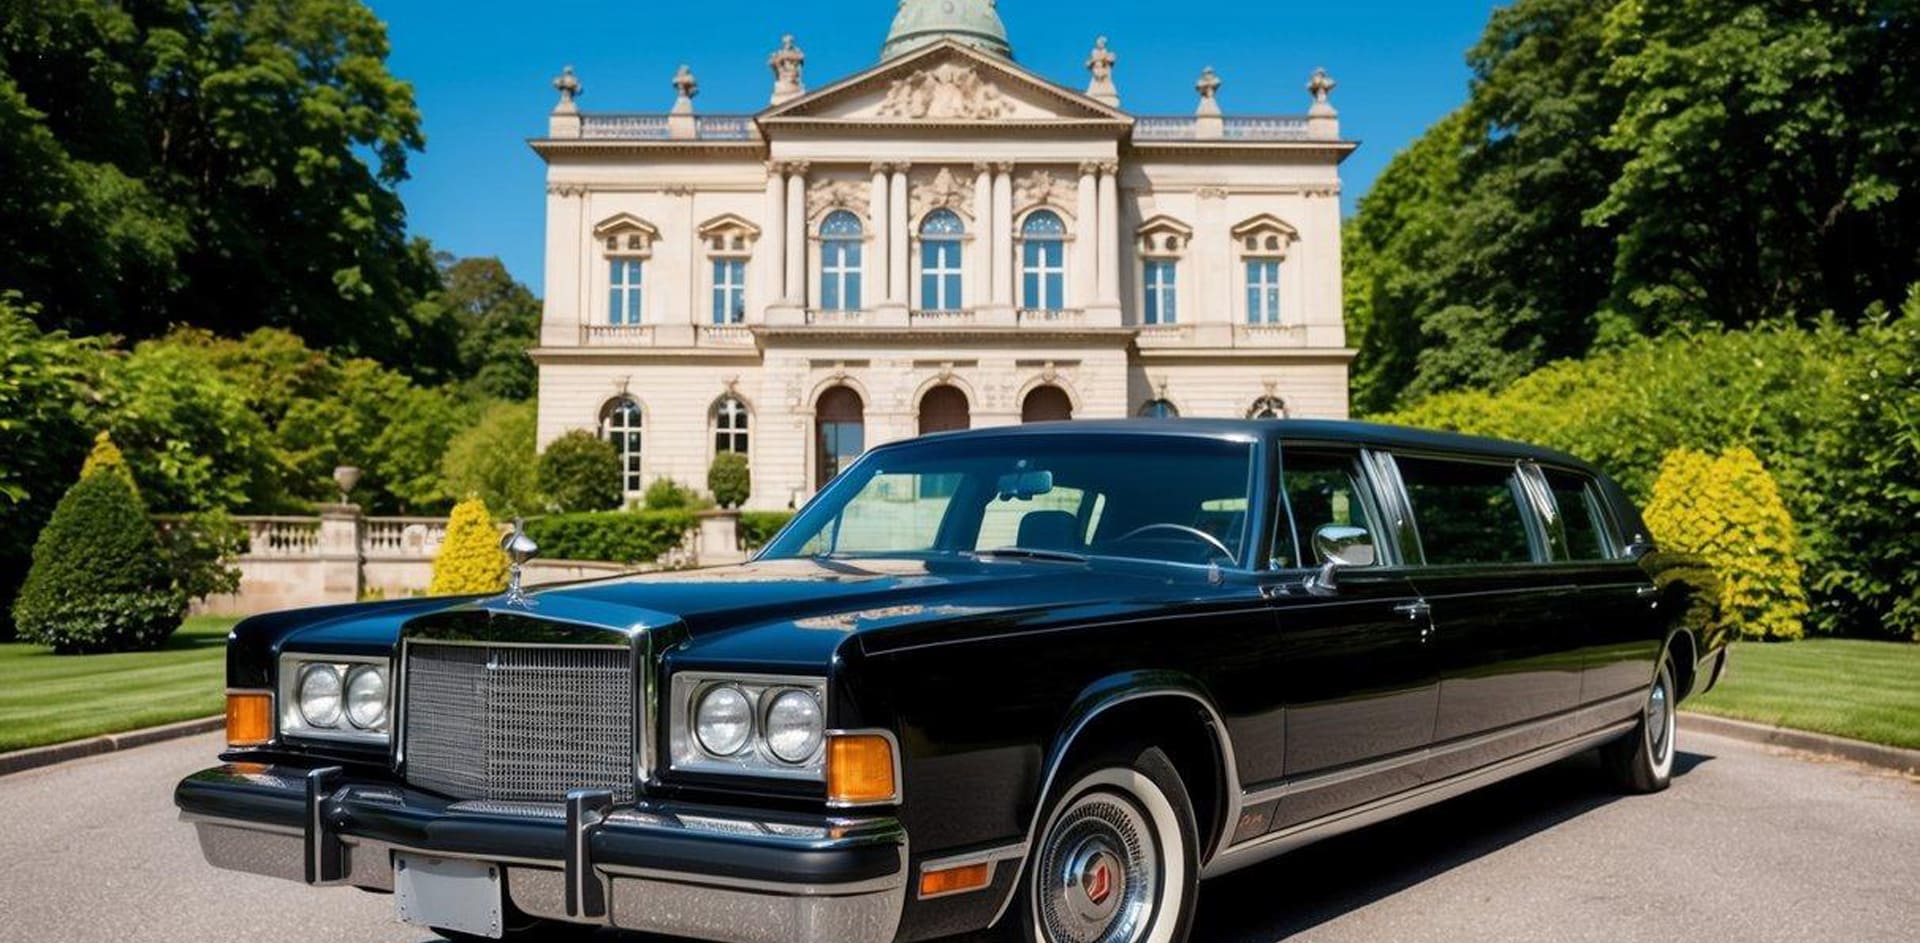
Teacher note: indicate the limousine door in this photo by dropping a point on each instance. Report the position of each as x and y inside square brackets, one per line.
[1351, 666]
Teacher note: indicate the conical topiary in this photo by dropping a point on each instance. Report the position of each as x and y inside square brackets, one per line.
[470, 558]
[99, 580]
[107, 457]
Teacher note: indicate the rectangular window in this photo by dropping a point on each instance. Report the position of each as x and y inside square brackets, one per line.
[1263, 291]
[1467, 512]
[840, 286]
[1045, 278]
[1161, 293]
[729, 291]
[625, 300]
[1582, 518]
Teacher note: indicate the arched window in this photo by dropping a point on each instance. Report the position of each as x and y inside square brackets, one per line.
[1043, 262]
[730, 422]
[840, 433]
[620, 422]
[940, 272]
[1046, 404]
[841, 238]
[1268, 407]
[1158, 409]
[944, 409]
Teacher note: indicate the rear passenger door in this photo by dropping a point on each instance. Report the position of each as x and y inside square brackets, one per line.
[1622, 634]
[1507, 654]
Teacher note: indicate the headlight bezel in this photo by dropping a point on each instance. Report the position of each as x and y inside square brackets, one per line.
[293, 722]
[687, 754]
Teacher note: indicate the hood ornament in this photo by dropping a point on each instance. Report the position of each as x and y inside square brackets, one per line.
[519, 549]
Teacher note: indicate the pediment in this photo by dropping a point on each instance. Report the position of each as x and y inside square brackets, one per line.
[946, 83]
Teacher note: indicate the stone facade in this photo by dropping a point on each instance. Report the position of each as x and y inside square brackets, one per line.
[944, 219]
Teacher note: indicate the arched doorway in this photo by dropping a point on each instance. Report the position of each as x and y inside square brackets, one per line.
[839, 433]
[944, 409]
[1046, 403]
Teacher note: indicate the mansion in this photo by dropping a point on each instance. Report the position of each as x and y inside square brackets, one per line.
[943, 241]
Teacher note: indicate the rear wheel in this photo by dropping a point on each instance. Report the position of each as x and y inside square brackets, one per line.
[1642, 761]
[1118, 860]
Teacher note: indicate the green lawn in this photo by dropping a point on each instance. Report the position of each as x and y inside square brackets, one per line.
[1846, 687]
[48, 698]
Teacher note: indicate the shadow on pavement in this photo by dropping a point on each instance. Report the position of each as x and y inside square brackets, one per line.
[1333, 877]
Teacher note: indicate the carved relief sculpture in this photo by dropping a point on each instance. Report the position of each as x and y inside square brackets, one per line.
[827, 195]
[1042, 186]
[943, 191]
[945, 92]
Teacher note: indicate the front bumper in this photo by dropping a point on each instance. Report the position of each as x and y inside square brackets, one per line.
[689, 871]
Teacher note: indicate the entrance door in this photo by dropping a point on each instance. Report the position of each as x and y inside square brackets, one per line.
[944, 409]
[1046, 404]
[840, 433]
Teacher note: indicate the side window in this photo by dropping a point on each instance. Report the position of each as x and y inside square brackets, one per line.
[1581, 516]
[1321, 488]
[1467, 512]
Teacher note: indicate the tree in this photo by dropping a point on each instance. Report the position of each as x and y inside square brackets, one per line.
[470, 559]
[191, 437]
[494, 460]
[580, 472]
[1727, 511]
[100, 579]
[223, 165]
[496, 320]
[730, 480]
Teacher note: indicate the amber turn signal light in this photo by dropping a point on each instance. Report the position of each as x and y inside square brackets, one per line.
[966, 877]
[860, 769]
[249, 718]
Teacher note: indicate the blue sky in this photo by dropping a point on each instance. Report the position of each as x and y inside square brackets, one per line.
[481, 70]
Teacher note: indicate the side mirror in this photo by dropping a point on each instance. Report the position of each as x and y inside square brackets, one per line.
[1339, 545]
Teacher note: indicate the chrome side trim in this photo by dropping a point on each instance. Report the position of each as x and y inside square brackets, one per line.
[1271, 844]
[991, 857]
[893, 743]
[1230, 772]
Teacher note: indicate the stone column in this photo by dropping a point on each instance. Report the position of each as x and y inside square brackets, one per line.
[982, 261]
[900, 289]
[882, 267]
[1003, 261]
[796, 293]
[773, 238]
[1109, 234]
[341, 576]
[1086, 242]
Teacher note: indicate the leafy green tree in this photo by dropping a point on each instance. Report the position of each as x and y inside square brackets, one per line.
[100, 579]
[189, 434]
[496, 320]
[495, 460]
[580, 472]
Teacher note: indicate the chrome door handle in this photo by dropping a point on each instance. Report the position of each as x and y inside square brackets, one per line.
[1647, 592]
[1414, 611]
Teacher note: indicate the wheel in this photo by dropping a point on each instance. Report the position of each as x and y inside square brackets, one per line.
[1642, 761]
[1118, 859]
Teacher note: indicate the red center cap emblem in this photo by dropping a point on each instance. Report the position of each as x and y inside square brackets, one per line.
[1099, 883]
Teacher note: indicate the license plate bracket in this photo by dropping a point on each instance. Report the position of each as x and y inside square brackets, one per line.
[448, 893]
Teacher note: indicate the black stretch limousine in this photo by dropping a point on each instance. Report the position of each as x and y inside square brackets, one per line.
[1046, 678]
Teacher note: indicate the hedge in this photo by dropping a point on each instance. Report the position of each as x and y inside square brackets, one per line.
[631, 537]
[758, 527]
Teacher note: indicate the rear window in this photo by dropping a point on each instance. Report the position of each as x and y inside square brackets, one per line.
[1467, 512]
[1582, 518]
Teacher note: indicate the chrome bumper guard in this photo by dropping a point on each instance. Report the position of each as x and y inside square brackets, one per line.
[683, 870]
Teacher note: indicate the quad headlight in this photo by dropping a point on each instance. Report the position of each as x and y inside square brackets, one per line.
[761, 725]
[335, 697]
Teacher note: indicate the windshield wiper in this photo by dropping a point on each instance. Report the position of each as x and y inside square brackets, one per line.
[1029, 553]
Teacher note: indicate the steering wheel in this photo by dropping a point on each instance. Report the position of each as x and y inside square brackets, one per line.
[1184, 531]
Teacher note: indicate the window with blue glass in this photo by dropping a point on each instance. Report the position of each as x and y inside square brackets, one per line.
[1043, 262]
[1263, 291]
[1162, 295]
[625, 300]
[941, 276]
[841, 238]
[729, 291]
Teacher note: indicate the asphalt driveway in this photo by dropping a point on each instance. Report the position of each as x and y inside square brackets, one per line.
[1751, 843]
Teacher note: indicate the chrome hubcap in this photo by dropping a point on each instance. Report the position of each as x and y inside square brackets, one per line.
[1658, 715]
[1097, 873]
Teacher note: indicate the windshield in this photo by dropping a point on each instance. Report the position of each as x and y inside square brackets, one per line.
[1178, 499]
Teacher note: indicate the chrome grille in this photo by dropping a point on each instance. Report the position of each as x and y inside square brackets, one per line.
[518, 724]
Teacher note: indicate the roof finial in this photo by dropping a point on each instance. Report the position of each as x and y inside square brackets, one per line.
[1100, 64]
[1323, 122]
[1209, 123]
[569, 88]
[787, 63]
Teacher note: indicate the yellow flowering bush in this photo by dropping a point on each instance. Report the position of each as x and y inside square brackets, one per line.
[1727, 511]
[470, 559]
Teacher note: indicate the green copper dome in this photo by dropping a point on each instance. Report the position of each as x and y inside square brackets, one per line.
[925, 22]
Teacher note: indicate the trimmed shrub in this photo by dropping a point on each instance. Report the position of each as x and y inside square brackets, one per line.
[470, 560]
[99, 580]
[1728, 512]
[758, 527]
[580, 472]
[632, 537]
[106, 457]
[730, 480]
[665, 494]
